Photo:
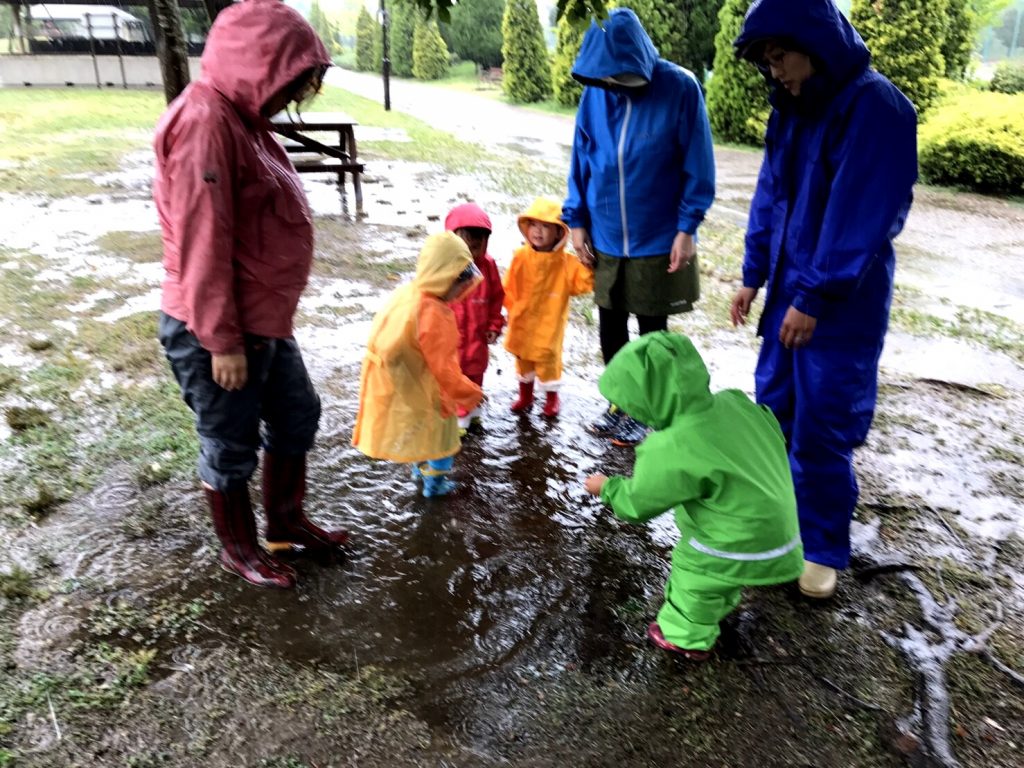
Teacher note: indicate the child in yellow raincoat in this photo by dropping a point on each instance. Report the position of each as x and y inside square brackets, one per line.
[411, 384]
[538, 285]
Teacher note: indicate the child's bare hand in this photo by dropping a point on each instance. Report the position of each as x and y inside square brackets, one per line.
[595, 483]
[492, 336]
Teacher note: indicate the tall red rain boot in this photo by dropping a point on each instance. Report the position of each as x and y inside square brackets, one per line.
[525, 397]
[288, 528]
[235, 525]
[551, 404]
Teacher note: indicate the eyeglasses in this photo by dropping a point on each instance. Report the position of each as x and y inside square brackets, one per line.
[775, 60]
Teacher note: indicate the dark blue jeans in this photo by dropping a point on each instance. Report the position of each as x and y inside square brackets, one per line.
[277, 395]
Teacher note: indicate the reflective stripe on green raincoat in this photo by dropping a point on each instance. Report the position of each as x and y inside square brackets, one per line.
[718, 460]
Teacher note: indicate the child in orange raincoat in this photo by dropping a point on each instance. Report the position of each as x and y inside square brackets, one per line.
[538, 285]
[411, 384]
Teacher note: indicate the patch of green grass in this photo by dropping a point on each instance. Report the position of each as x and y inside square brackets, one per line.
[148, 624]
[50, 136]
[140, 247]
[341, 252]
[126, 345]
[29, 304]
[17, 584]
[976, 325]
[22, 419]
[134, 423]
[8, 378]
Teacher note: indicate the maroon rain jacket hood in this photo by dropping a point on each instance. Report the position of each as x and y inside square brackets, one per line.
[237, 231]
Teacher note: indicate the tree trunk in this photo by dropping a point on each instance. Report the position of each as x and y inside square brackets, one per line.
[171, 48]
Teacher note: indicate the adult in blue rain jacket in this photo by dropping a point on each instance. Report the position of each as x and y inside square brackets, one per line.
[642, 177]
[833, 192]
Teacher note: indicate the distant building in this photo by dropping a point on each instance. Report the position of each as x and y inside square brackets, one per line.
[72, 22]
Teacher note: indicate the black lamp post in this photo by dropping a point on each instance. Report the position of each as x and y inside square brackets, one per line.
[385, 26]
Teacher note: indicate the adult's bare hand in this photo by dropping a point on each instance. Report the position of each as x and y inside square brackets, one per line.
[230, 371]
[581, 244]
[741, 305]
[683, 250]
[797, 328]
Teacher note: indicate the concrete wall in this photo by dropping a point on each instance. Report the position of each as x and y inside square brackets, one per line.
[41, 70]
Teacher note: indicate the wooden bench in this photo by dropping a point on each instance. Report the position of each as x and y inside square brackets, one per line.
[311, 155]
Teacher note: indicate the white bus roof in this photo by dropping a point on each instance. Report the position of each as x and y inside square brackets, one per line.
[66, 12]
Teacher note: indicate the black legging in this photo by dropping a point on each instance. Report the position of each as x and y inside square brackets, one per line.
[614, 329]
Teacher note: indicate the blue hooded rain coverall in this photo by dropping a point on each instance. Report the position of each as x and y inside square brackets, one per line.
[833, 192]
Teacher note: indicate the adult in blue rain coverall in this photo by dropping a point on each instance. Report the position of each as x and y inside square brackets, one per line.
[642, 178]
[833, 192]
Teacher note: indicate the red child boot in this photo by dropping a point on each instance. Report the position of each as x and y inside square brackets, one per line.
[551, 404]
[235, 525]
[525, 397]
[288, 528]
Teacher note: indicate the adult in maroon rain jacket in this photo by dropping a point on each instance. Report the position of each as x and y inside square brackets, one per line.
[238, 245]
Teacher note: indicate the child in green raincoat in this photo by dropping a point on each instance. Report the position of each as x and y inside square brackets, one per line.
[719, 462]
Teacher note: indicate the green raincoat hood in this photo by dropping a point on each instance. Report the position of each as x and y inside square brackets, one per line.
[657, 378]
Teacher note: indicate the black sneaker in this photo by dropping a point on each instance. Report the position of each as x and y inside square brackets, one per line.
[607, 422]
[629, 432]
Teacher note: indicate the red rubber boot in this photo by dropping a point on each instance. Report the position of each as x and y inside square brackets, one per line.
[235, 525]
[525, 397]
[551, 405]
[288, 528]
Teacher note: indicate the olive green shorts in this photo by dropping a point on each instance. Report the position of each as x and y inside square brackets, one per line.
[643, 286]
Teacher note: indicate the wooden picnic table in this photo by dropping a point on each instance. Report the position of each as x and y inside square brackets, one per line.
[310, 155]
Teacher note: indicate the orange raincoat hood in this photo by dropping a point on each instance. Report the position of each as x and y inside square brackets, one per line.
[411, 383]
[548, 210]
[256, 48]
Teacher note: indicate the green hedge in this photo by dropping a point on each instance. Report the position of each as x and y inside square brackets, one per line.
[1008, 77]
[977, 141]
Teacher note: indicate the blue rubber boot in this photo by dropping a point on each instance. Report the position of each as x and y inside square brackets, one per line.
[435, 477]
[437, 485]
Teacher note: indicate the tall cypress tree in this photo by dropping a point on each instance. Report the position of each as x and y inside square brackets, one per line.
[368, 33]
[905, 38]
[567, 90]
[526, 72]
[403, 28]
[737, 93]
[961, 31]
[429, 53]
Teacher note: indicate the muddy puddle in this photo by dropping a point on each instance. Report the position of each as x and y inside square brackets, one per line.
[504, 625]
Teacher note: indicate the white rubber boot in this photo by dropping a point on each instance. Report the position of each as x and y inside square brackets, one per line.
[818, 581]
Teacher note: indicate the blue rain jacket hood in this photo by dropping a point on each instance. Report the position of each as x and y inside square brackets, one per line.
[642, 164]
[621, 46]
[814, 27]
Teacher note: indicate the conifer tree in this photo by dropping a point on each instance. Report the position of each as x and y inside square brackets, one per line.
[527, 70]
[906, 39]
[737, 93]
[429, 53]
[403, 29]
[569, 37]
[368, 34]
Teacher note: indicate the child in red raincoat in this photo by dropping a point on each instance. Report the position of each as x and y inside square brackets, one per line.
[478, 316]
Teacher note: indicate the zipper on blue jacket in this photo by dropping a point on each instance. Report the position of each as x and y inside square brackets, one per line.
[622, 177]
